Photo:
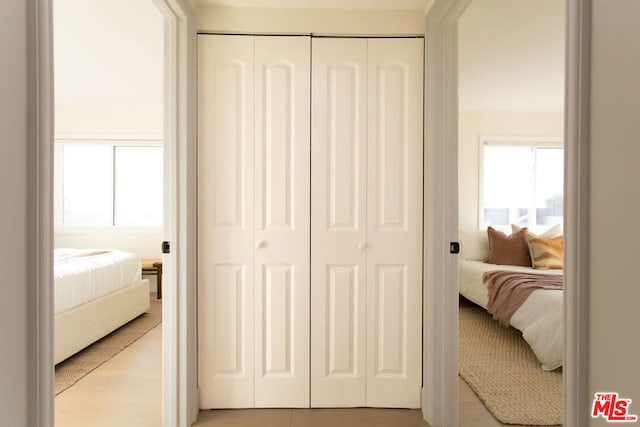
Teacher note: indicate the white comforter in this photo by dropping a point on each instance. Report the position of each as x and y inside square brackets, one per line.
[82, 275]
[539, 318]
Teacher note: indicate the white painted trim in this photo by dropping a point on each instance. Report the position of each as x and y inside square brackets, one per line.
[576, 241]
[61, 230]
[179, 344]
[440, 400]
[440, 365]
[536, 141]
[40, 207]
[108, 137]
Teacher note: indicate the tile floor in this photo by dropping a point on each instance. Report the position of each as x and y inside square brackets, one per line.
[126, 392]
[355, 417]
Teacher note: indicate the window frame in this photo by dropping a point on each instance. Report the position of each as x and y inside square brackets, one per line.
[509, 141]
[113, 141]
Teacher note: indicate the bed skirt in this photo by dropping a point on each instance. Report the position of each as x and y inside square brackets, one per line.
[81, 326]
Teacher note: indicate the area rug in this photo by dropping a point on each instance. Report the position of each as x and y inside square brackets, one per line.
[504, 373]
[70, 371]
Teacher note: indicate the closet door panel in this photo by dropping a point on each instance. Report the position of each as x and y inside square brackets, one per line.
[394, 222]
[338, 234]
[282, 215]
[225, 221]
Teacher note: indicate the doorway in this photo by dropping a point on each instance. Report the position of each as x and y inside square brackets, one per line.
[510, 154]
[108, 200]
[441, 222]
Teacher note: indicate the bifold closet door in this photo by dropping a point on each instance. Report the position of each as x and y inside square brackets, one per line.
[394, 222]
[367, 222]
[282, 236]
[225, 221]
[253, 221]
[338, 229]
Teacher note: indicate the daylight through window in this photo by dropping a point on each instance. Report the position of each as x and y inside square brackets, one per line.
[521, 183]
[107, 184]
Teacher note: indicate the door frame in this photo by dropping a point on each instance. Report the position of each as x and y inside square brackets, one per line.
[180, 399]
[440, 390]
[180, 402]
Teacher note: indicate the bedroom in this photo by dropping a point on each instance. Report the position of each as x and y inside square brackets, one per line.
[108, 181]
[511, 162]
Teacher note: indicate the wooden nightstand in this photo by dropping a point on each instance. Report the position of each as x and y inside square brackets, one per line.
[153, 267]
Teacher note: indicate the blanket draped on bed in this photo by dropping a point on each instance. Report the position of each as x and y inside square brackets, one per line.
[508, 290]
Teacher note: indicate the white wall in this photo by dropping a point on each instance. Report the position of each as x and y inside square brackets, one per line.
[109, 82]
[614, 289]
[108, 67]
[511, 55]
[325, 21]
[14, 232]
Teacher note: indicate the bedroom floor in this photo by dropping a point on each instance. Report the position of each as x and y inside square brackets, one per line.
[126, 391]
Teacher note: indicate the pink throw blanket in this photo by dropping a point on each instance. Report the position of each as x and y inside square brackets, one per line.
[508, 290]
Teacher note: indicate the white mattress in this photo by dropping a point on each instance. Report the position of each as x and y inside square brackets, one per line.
[82, 275]
[540, 318]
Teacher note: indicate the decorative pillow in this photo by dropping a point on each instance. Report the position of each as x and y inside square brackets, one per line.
[554, 231]
[508, 250]
[473, 244]
[546, 253]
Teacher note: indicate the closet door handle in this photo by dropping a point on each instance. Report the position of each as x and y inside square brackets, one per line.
[362, 246]
[260, 245]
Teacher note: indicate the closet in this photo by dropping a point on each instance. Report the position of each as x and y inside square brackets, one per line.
[309, 221]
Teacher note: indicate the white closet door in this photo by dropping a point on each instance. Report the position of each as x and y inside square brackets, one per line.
[394, 222]
[225, 222]
[338, 230]
[282, 236]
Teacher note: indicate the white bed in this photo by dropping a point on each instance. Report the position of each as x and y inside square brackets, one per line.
[95, 292]
[539, 318]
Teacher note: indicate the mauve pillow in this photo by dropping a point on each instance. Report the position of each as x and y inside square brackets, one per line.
[508, 250]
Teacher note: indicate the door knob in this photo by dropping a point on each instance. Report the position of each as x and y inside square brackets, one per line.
[260, 245]
[362, 246]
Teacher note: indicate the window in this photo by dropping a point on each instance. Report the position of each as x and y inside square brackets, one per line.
[521, 182]
[106, 183]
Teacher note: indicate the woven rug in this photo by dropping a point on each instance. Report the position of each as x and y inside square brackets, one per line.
[70, 371]
[504, 373]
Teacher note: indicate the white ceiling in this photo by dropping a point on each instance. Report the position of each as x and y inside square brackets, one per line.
[511, 56]
[322, 4]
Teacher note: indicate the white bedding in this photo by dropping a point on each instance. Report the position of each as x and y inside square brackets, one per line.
[82, 275]
[539, 318]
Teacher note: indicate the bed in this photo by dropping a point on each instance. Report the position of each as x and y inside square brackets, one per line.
[539, 318]
[95, 292]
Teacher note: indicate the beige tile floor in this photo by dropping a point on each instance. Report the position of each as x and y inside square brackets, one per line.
[126, 392]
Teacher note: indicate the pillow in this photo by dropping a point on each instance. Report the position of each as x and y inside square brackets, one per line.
[553, 259]
[554, 231]
[508, 250]
[546, 253]
[473, 244]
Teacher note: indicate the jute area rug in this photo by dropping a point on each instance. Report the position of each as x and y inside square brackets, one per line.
[504, 373]
[70, 371]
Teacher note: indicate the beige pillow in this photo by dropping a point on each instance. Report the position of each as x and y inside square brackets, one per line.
[546, 253]
[508, 250]
[473, 244]
[554, 231]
